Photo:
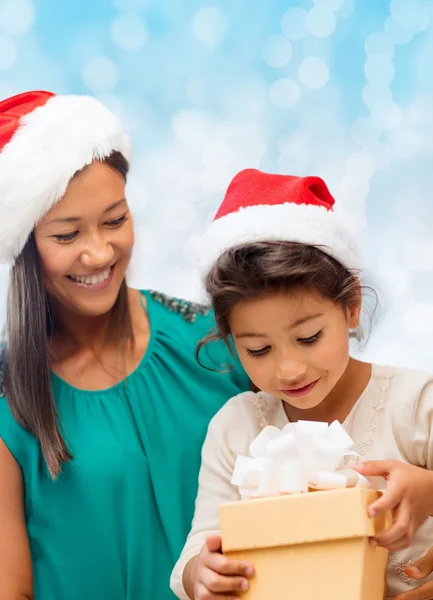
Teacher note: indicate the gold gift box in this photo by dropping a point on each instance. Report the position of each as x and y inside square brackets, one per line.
[308, 546]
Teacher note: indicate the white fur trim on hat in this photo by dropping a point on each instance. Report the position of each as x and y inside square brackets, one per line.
[52, 143]
[302, 223]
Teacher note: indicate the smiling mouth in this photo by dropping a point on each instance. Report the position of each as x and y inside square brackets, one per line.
[92, 279]
[300, 391]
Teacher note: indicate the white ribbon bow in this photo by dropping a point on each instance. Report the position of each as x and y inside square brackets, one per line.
[306, 454]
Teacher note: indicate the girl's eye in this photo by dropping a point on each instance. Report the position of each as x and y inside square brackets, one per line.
[261, 352]
[64, 238]
[116, 222]
[312, 339]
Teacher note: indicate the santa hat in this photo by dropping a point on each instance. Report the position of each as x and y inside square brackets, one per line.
[263, 207]
[44, 140]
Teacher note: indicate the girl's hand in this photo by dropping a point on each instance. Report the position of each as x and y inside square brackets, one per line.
[420, 569]
[217, 577]
[408, 494]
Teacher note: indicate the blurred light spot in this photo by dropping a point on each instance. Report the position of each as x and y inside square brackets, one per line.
[353, 214]
[417, 319]
[137, 196]
[6, 91]
[292, 165]
[131, 5]
[277, 51]
[394, 276]
[191, 248]
[365, 131]
[395, 352]
[379, 69]
[418, 254]
[379, 43]
[216, 178]
[284, 93]
[397, 33]
[209, 25]
[409, 142]
[387, 115]
[354, 190]
[128, 32]
[190, 127]
[414, 15]
[16, 16]
[330, 4]
[295, 146]
[313, 72]
[294, 23]
[360, 166]
[346, 10]
[216, 153]
[376, 93]
[100, 74]
[179, 216]
[8, 53]
[185, 283]
[321, 22]
[421, 110]
[113, 103]
[380, 154]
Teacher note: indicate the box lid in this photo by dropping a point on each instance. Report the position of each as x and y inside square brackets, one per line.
[299, 519]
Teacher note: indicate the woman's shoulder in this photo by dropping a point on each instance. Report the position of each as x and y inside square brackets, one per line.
[2, 374]
[19, 441]
[190, 312]
[181, 325]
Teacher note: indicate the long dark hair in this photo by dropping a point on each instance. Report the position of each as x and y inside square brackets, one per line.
[26, 355]
[252, 270]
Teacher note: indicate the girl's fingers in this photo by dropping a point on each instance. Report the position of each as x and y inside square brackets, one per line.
[220, 584]
[374, 468]
[422, 567]
[202, 593]
[222, 565]
[213, 543]
[423, 592]
[389, 500]
[401, 531]
[400, 544]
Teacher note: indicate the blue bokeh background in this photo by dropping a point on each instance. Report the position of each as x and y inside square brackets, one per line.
[338, 88]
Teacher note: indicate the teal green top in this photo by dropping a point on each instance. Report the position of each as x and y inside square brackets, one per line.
[114, 523]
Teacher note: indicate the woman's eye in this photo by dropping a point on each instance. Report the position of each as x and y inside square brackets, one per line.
[261, 352]
[117, 222]
[312, 339]
[65, 237]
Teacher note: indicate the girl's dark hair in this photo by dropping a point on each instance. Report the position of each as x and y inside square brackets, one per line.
[26, 355]
[256, 269]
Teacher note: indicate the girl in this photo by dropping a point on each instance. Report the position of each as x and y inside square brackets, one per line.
[283, 277]
[105, 407]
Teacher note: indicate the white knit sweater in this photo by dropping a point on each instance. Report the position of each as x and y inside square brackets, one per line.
[392, 420]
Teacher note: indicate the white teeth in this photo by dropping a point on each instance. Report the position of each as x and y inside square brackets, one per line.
[92, 279]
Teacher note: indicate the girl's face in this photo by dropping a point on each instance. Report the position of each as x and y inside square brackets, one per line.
[85, 242]
[294, 346]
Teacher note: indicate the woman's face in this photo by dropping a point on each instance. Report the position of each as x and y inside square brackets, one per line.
[85, 242]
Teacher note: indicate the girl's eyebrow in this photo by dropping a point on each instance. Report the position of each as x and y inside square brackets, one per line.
[295, 324]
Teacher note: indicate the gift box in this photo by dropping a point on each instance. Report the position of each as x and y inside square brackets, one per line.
[308, 546]
[303, 520]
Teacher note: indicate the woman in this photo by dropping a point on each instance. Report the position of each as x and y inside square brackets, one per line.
[106, 406]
